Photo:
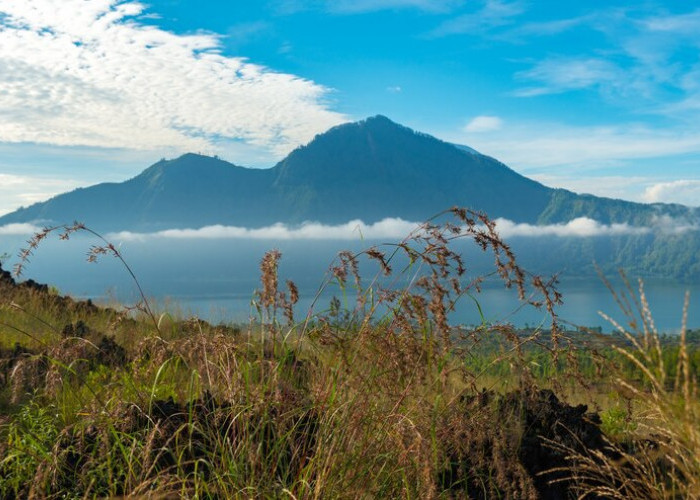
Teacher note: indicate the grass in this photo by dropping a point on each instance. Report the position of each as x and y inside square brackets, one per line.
[380, 398]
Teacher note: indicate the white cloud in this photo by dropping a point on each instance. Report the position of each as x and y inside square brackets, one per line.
[16, 190]
[77, 72]
[353, 230]
[620, 161]
[542, 144]
[667, 224]
[394, 228]
[684, 191]
[579, 227]
[609, 186]
[19, 229]
[483, 124]
[394, 89]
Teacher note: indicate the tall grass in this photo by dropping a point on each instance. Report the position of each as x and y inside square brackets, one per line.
[658, 457]
[372, 397]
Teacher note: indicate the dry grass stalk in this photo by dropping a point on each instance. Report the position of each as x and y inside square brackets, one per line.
[107, 248]
[664, 459]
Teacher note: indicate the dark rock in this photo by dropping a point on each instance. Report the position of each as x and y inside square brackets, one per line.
[37, 287]
[110, 353]
[544, 419]
[9, 359]
[77, 329]
[6, 277]
[515, 441]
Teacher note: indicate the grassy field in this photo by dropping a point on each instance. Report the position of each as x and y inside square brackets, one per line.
[382, 398]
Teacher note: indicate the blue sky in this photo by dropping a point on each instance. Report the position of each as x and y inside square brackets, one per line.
[598, 97]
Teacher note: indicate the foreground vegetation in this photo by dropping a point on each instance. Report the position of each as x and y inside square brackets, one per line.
[380, 397]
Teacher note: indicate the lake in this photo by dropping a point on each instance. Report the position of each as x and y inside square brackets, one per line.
[215, 280]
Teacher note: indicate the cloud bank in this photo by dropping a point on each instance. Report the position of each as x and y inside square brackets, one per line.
[18, 229]
[389, 228]
[91, 73]
[579, 227]
[685, 191]
[353, 230]
[396, 229]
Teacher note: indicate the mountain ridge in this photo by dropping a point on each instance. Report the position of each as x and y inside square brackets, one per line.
[374, 169]
[370, 169]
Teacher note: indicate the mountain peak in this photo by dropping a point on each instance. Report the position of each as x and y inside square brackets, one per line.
[379, 119]
[372, 123]
[192, 158]
[187, 161]
[392, 163]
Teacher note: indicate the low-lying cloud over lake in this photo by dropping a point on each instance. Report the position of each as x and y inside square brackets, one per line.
[18, 229]
[389, 228]
[396, 228]
[353, 230]
[579, 227]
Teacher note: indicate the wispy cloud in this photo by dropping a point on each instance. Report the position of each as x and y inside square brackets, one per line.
[343, 7]
[595, 159]
[558, 144]
[545, 28]
[609, 186]
[666, 224]
[685, 191]
[483, 123]
[562, 74]
[493, 14]
[642, 59]
[349, 7]
[360, 6]
[16, 190]
[90, 73]
[688, 23]
[242, 33]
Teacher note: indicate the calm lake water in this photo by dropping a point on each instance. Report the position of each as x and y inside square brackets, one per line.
[215, 280]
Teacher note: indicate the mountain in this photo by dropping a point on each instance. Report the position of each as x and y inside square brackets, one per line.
[370, 170]
[375, 169]
[190, 191]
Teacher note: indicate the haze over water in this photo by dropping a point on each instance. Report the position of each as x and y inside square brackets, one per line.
[216, 279]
